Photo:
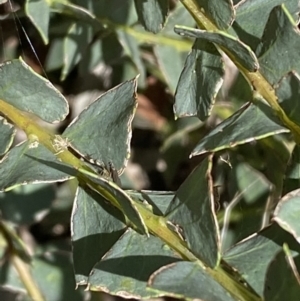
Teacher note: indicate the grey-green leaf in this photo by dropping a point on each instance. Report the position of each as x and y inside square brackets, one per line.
[75, 43]
[199, 82]
[264, 246]
[292, 172]
[252, 16]
[114, 11]
[76, 12]
[192, 210]
[95, 227]
[287, 92]
[26, 204]
[152, 13]
[123, 199]
[30, 162]
[170, 62]
[293, 168]
[277, 51]
[287, 213]
[126, 268]
[131, 49]
[158, 201]
[220, 12]
[171, 57]
[285, 287]
[102, 131]
[187, 280]
[251, 182]
[21, 87]
[235, 49]
[179, 15]
[8, 132]
[55, 57]
[38, 11]
[251, 122]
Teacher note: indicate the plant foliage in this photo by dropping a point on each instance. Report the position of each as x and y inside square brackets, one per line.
[190, 243]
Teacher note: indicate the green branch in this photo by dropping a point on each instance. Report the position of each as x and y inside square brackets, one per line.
[26, 277]
[108, 26]
[22, 267]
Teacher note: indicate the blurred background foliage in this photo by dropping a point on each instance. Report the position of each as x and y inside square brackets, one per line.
[83, 59]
